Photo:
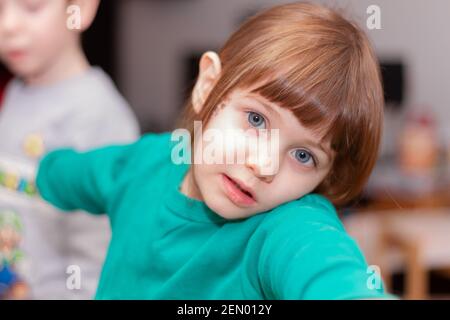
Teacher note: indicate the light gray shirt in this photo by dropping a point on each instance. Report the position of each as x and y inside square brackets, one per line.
[83, 112]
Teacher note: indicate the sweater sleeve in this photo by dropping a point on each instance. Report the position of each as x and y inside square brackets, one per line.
[308, 255]
[73, 180]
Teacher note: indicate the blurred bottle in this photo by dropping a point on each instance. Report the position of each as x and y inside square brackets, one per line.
[419, 146]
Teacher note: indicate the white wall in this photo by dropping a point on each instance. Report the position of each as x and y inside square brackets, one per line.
[154, 36]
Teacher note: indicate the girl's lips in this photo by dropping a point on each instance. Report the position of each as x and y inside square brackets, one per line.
[235, 194]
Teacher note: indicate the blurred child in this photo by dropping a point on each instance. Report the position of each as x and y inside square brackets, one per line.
[55, 100]
[298, 75]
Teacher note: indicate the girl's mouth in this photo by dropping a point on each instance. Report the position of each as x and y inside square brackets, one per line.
[237, 193]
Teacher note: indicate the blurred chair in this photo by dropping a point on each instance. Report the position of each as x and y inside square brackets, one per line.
[411, 240]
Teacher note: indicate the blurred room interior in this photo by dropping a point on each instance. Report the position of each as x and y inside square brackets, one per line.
[402, 221]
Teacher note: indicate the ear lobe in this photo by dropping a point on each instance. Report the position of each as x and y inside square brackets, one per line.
[210, 69]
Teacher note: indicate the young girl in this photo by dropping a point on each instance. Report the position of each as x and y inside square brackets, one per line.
[244, 230]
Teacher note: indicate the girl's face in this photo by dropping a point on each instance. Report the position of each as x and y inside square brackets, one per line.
[303, 162]
[33, 34]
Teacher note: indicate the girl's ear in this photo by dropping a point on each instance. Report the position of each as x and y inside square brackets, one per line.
[88, 10]
[209, 72]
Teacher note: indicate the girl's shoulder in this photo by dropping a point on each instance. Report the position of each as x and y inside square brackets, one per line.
[310, 221]
[305, 253]
[310, 210]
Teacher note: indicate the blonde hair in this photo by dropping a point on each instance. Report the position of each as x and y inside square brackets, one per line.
[309, 59]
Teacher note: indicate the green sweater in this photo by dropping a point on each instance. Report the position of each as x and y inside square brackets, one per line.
[167, 246]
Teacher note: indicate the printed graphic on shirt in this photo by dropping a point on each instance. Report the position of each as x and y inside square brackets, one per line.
[34, 145]
[12, 285]
[18, 197]
[17, 176]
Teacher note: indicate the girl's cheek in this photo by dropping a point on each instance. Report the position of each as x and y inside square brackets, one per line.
[251, 132]
[234, 144]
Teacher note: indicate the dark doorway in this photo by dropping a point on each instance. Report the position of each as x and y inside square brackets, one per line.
[99, 41]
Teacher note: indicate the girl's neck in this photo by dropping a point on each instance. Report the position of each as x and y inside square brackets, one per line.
[189, 187]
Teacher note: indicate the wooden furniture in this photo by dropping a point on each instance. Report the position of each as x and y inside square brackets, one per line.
[414, 240]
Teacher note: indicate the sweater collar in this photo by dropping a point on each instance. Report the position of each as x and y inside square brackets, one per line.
[189, 208]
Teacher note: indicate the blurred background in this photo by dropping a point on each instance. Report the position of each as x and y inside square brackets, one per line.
[402, 221]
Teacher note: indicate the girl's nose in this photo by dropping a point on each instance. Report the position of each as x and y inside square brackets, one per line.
[263, 153]
[263, 166]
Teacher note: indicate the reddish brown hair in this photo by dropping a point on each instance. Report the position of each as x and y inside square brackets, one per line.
[311, 60]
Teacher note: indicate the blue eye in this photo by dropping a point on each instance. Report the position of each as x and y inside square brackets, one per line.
[256, 120]
[303, 156]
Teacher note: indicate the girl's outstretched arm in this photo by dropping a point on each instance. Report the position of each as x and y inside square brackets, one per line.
[72, 180]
